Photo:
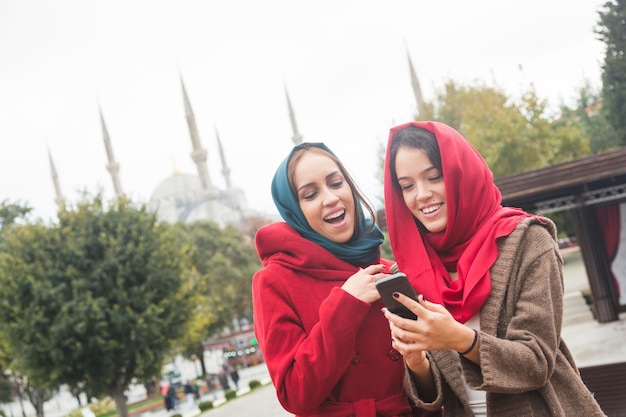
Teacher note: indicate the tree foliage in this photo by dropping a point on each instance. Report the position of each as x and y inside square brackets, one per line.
[222, 264]
[95, 299]
[11, 213]
[612, 31]
[513, 136]
[589, 116]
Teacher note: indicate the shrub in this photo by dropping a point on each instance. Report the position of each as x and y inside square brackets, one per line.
[230, 394]
[177, 415]
[2, 413]
[205, 405]
[255, 383]
[103, 405]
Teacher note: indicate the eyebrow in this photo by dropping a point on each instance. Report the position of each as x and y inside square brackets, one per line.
[424, 171]
[310, 184]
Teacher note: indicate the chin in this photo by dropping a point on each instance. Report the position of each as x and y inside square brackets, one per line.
[340, 237]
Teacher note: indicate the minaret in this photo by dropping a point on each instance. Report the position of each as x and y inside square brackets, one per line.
[113, 167]
[225, 169]
[297, 137]
[419, 98]
[57, 186]
[198, 154]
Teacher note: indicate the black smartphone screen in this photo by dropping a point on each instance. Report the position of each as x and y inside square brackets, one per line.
[396, 283]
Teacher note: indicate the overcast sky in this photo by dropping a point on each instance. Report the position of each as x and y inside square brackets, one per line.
[344, 63]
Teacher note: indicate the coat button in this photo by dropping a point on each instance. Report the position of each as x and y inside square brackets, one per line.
[393, 354]
[356, 358]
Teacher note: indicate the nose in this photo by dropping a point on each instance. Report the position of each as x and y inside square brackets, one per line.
[329, 198]
[423, 192]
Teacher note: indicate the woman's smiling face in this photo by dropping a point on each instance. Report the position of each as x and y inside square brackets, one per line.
[423, 188]
[324, 196]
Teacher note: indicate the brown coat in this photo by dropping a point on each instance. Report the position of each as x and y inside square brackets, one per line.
[526, 368]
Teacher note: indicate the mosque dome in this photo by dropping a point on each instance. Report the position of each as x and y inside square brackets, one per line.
[177, 186]
[180, 197]
[176, 197]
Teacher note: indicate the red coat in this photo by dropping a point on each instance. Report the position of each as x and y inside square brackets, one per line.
[327, 352]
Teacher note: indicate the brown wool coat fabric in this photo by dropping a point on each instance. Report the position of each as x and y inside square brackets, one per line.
[526, 368]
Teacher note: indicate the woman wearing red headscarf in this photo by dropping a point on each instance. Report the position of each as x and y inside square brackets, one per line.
[492, 284]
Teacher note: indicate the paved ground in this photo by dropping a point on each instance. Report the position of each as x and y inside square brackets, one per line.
[591, 343]
[261, 402]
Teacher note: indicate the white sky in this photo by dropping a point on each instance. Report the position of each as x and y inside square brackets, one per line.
[344, 63]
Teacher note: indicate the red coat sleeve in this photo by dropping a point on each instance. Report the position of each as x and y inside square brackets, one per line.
[306, 333]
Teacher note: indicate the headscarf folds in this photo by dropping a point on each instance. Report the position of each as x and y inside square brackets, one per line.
[362, 249]
[468, 244]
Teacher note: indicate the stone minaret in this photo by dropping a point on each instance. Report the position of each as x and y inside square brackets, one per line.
[417, 90]
[57, 186]
[113, 167]
[225, 169]
[297, 137]
[199, 155]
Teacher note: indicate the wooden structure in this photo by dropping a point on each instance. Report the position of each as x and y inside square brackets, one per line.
[578, 186]
[607, 383]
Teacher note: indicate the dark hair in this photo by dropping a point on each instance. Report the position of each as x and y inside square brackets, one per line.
[417, 138]
[357, 195]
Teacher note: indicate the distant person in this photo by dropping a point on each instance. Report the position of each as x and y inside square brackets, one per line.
[317, 312]
[234, 375]
[189, 397]
[76, 394]
[223, 378]
[487, 341]
[196, 388]
[172, 396]
[165, 386]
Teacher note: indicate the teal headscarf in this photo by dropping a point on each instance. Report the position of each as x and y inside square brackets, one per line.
[361, 249]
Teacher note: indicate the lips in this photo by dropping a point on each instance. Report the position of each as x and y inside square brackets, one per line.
[336, 216]
[432, 209]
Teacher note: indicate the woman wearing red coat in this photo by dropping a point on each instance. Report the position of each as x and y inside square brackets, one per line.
[317, 313]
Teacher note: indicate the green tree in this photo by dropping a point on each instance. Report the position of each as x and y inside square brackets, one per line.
[222, 263]
[589, 116]
[612, 31]
[96, 299]
[513, 136]
[5, 383]
[11, 213]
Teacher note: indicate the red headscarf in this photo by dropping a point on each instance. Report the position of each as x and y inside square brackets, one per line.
[468, 245]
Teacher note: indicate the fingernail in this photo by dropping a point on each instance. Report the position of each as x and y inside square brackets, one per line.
[396, 295]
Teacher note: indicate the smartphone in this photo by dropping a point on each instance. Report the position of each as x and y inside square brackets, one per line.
[396, 283]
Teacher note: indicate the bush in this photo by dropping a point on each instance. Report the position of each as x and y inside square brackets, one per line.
[103, 406]
[230, 394]
[205, 405]
[255, 383]
[2, 413]
[177, 415]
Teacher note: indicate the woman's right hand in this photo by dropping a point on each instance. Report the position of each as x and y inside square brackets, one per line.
[362, 285]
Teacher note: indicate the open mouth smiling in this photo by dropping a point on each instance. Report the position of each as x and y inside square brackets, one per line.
[432, 209]
[335, 217]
